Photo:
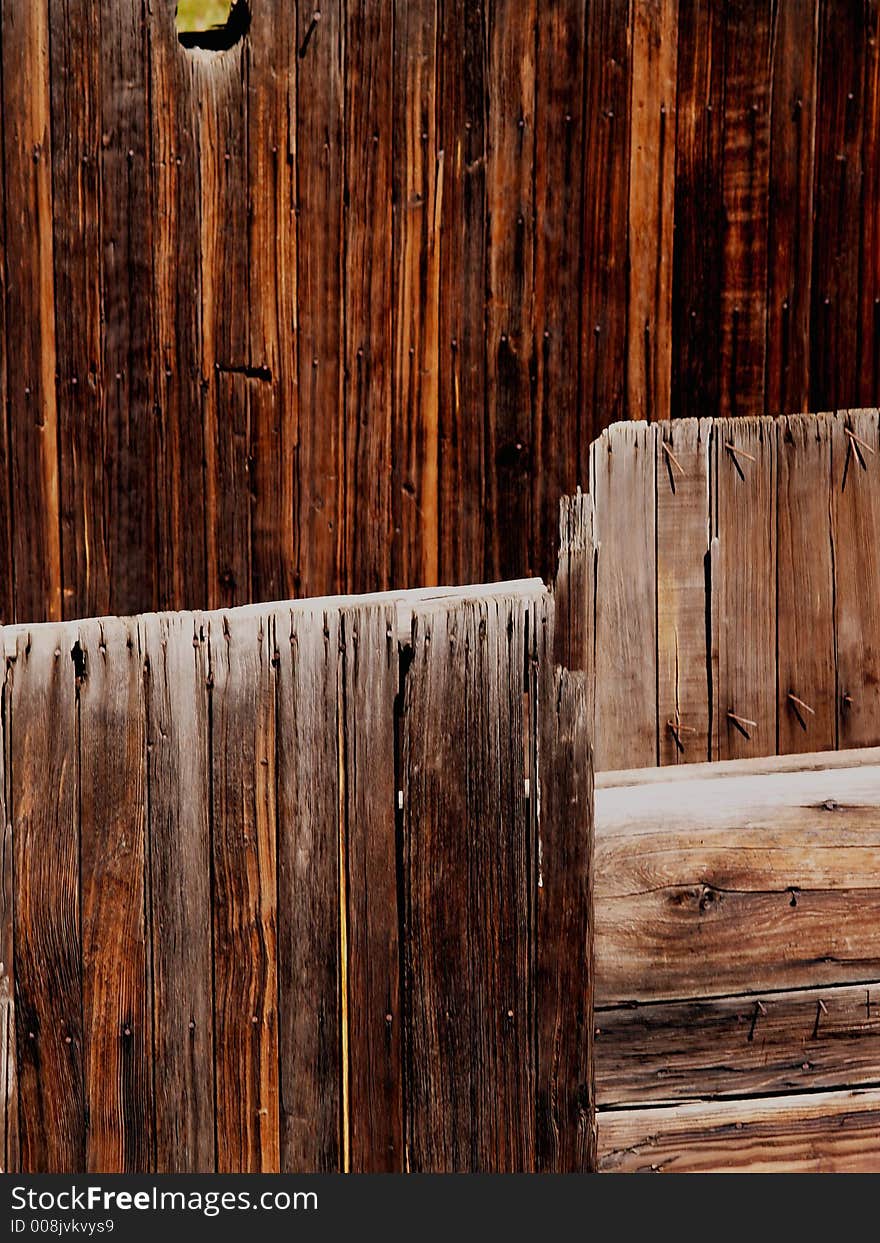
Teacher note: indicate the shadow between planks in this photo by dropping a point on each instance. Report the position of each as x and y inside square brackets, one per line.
[279, 892]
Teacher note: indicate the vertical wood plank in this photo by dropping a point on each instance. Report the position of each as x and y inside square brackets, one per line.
[790, 226]
[574, 589]
[699, 216]
[462, 135]
[32, 415]
[128, 395]
[271, 291]
[225, 324]
[373, 970]
[837, 205]
[509, 293]
[559, 130]
[748, 59]
[744, 587]
[856, 523]
[565, 1092]
[115, 939]
[683, 685]
[805, 586]
[75, 48]
[245, 893]
[320, 155]
[417, 175]
[468, 904]
[9, 1133]
[41, 718]
[868, 374]
[175, 139]
[624, 466]
[606, 193]
[651, 207]
[309, 890]
[368, 293]
[176, 707]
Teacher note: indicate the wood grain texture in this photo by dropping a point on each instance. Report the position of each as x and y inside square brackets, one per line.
[743, 585]
[683, 525]
[42, 747]
[793, 115]
[29, 345]
[510, 37]
[624, 466]
[418, 177]
[565, 1135]
[309, 935]
[116, 992]
[654, 69]
[825, 1133]
[9, 1132]
[176, 704]
[855, 523]
[737, 1046]
[374, 1016]
[245, 907]
[806, 682]
[466, 844]
[757, 882]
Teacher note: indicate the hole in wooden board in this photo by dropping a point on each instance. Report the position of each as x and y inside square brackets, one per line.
[213, 25]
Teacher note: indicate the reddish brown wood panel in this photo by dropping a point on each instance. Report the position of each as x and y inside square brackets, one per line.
[116, 1000]
[245, 908]
[41, 698]
[9, 1133]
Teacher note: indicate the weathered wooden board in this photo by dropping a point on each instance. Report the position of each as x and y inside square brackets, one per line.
[738, 1046]
[469, 908]
[9, 1133]
[622, 481]
[821, 1133]
[855, 518]
[245, 892]
[718, 887]
[310, 764]
[374, 1018]
[41, 743]
[116, 996]
[176, 675]
[743, 588]
[683, 525]
[805, 678]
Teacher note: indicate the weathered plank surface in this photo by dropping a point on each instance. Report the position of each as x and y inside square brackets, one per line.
[825, 1133]
[737, 1046]
[176, 674]
[624, 465]
[9, 1133]
[855, 525]
[309, 974]
[45, 870]
[682, 481]
[243, 775]
[805, 676]
[116, 1000]
[743, 587]
[757, 882]
[467, 885]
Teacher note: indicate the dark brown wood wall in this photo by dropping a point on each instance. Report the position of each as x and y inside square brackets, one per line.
[343, 307]
[303, 887]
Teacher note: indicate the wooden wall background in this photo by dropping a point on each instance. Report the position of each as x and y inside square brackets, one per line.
[299, 888]
[737, 588]
[344, 306]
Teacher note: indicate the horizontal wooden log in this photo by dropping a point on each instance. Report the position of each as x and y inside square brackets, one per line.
[738, 1046]
[816, 1133]
[759, 882]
